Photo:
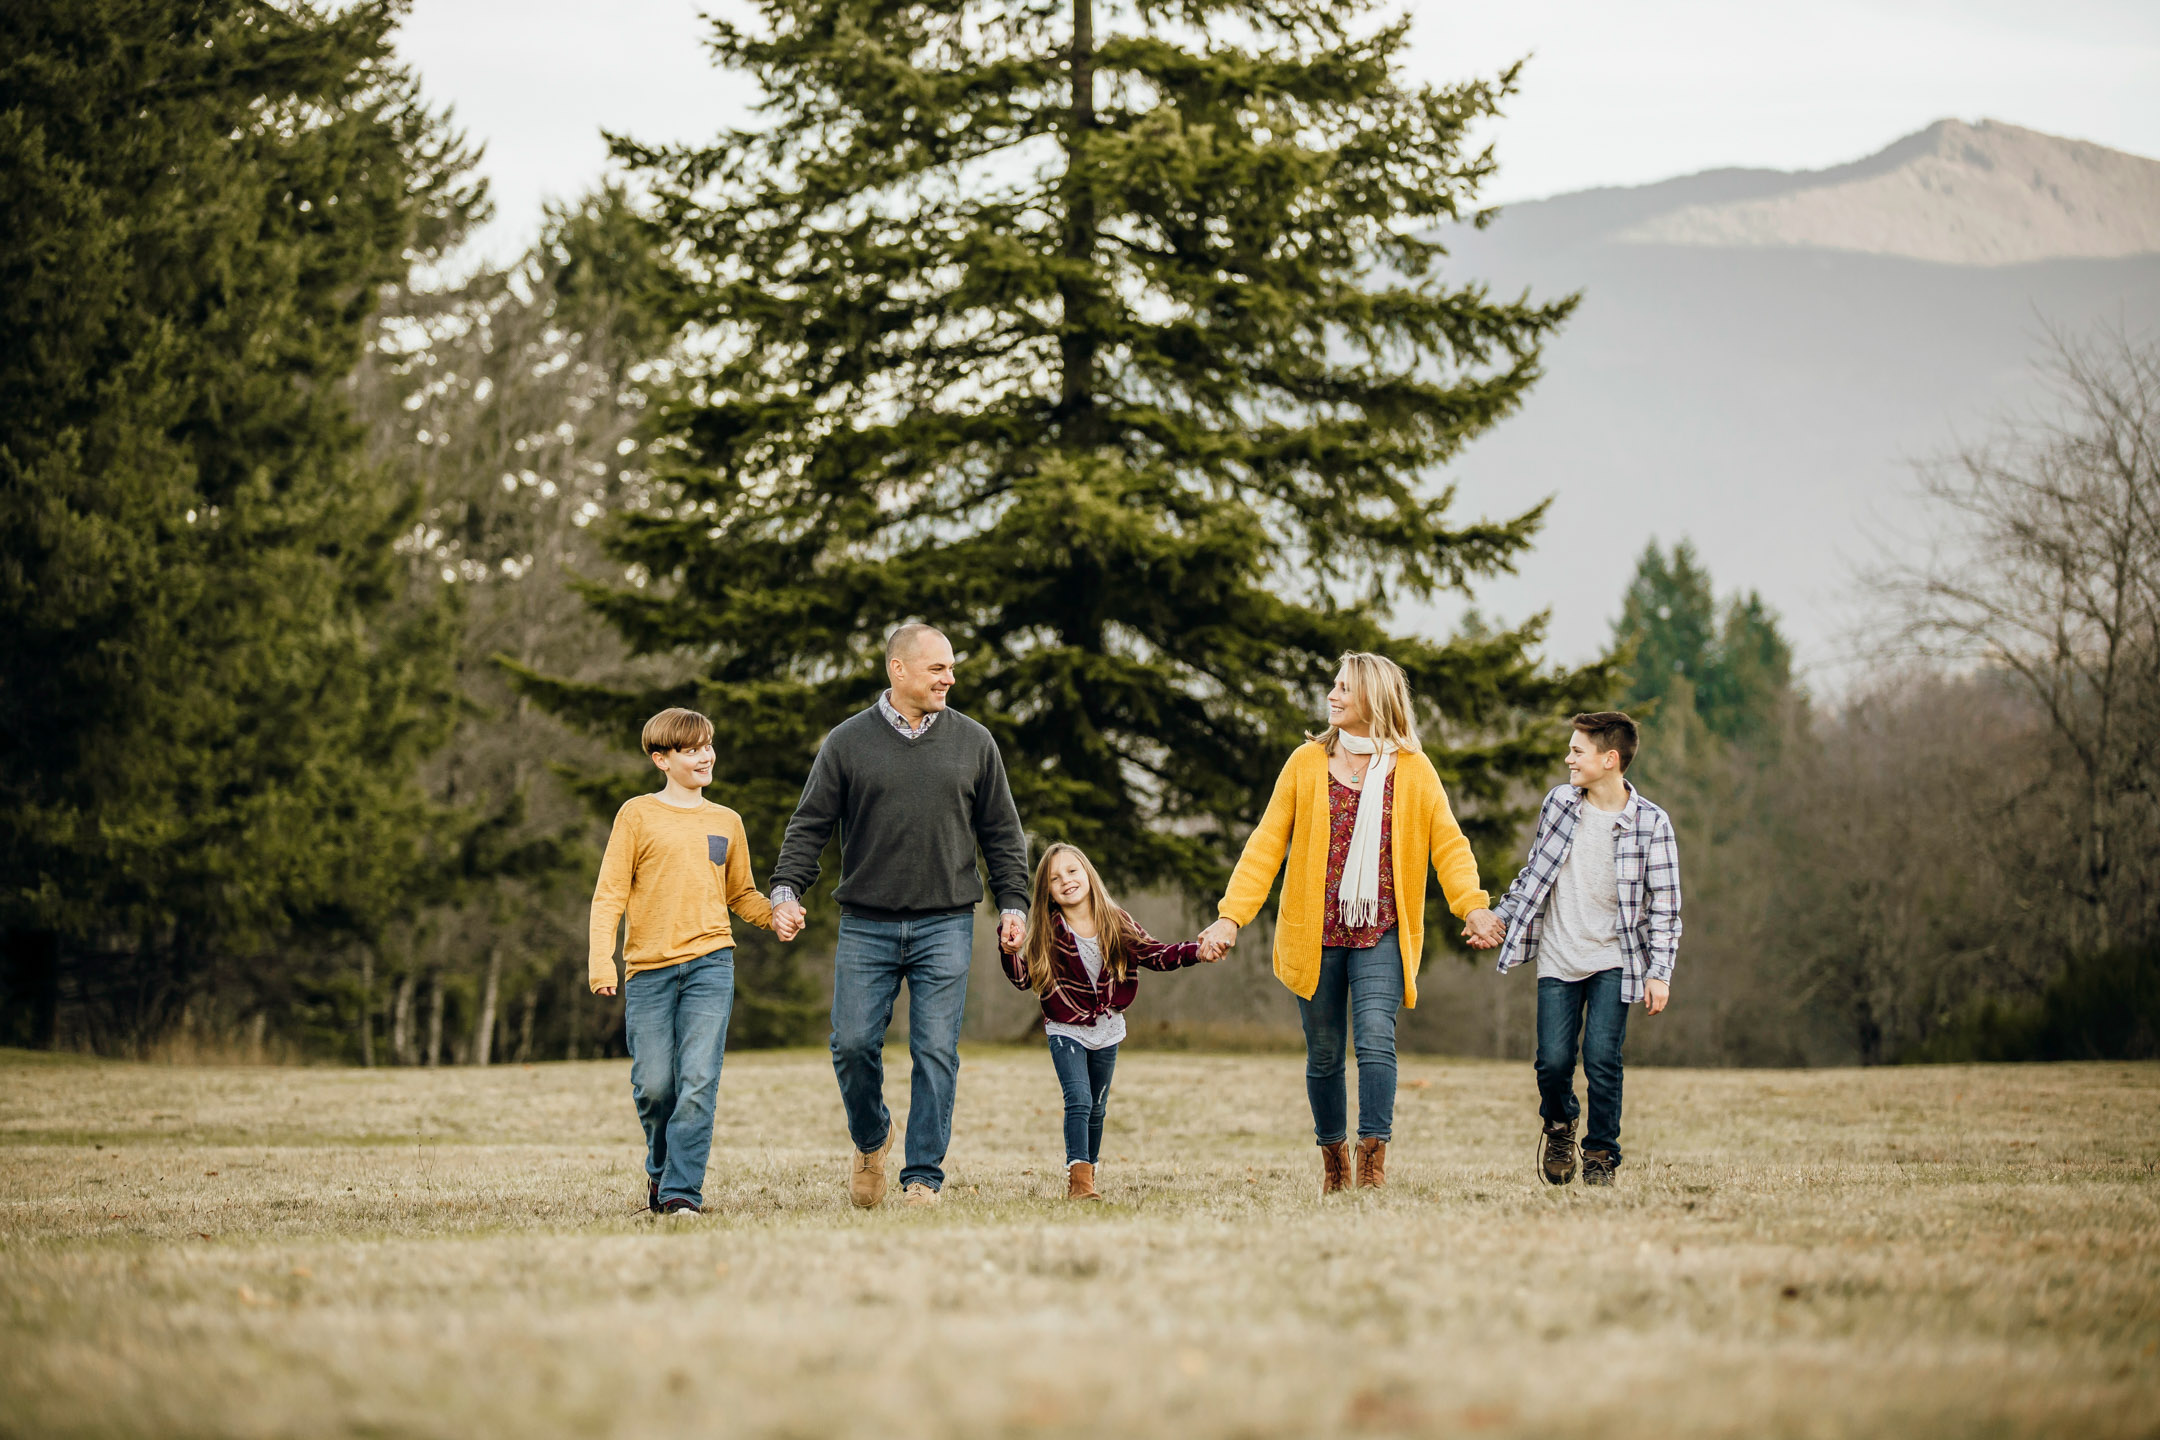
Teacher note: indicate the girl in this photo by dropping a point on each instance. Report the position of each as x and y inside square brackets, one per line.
[1079, 956]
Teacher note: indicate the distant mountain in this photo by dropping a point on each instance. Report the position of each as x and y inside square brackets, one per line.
[1986, 194]
[1761, 355]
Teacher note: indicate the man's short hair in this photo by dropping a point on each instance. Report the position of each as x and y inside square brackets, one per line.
[1611, 730]
[901, 643]
[676, 729]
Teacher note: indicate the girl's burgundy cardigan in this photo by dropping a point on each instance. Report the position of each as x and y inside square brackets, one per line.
[1075, 1000]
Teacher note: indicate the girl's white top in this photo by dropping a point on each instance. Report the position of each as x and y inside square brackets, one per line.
[1106, 1031]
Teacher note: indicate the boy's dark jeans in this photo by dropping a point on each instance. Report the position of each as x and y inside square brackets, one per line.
[1590, 1011]
[1084, 1075]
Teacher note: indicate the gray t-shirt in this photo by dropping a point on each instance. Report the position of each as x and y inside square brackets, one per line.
[1582, 919]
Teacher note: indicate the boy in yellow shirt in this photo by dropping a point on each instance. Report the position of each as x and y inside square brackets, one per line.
[676, 864]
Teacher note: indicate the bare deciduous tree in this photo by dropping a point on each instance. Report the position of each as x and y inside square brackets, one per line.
[506, 399]
[2049, 569]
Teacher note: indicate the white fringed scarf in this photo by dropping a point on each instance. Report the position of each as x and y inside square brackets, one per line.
[1359, 898]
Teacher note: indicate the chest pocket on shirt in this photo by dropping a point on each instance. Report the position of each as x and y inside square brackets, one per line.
[716, 849]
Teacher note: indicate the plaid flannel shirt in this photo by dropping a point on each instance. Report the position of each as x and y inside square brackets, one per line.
[1646, 863]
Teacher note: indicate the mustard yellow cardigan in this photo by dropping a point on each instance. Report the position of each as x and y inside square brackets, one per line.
[1296, 822]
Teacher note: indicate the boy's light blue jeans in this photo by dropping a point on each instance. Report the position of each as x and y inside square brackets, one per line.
[676, 1021]
[872, 957]
[1354, 1003]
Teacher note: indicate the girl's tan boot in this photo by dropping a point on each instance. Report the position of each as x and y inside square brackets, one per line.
[1080, 1182]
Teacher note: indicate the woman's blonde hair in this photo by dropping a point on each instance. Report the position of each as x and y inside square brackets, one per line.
[1382, 691]
[1113, 930]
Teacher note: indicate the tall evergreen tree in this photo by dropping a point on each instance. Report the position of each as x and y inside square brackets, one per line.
[1733, 668]
[1669, 619]
[1742, 696]
[211, 701]
[1109, 337]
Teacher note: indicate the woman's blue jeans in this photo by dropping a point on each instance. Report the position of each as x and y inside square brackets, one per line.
[676, 1020]
[1084, 1076]
[1355, 1002]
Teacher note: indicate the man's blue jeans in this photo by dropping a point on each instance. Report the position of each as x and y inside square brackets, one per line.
[1357, 998]
[871, 959]
[676, 1020]
[1084, 1076]
[1589, 1010]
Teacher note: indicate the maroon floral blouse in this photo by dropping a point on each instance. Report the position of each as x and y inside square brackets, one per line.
[1342, 821]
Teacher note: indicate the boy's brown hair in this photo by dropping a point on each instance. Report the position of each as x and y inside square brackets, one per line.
[1611, 730]
[676, 729]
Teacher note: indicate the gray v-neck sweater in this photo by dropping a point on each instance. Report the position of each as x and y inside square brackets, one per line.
[911, 814]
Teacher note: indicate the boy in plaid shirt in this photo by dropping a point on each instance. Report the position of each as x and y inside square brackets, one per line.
[1597, 910]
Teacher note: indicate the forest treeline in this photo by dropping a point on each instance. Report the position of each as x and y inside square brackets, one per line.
[338, 568]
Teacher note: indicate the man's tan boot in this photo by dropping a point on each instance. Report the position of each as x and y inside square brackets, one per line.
[1371, 1163]
[1080, 1182]
[1334, 1167]
[866, 1182]
[917, 1193]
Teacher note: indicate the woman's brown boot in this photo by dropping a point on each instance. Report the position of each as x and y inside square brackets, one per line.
[1371, 1163]
[1334, 1167]
[1080, 1182]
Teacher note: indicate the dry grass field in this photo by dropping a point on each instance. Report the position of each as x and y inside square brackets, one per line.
[270, 1252]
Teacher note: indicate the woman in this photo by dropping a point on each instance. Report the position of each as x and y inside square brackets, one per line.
[1358, 811]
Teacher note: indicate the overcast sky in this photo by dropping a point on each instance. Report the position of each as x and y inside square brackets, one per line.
[1615, 93]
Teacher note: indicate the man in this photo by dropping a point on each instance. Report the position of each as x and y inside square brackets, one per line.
[915, 788]
[1597, 911]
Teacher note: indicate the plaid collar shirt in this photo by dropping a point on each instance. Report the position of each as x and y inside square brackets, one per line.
[899, 722]
[1646, 865]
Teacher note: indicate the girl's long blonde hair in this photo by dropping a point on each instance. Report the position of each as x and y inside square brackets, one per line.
[1382, 691]
[1113, 931]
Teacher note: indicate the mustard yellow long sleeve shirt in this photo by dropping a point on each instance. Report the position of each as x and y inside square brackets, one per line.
[676, 873]
[1295, 828]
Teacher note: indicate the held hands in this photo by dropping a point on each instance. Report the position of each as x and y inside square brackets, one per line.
[1655, 994]
[1216, 940]
[1010, 933]
[787, 919]
[1482, 929]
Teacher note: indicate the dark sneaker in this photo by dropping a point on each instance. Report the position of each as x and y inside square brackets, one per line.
[1556, 1157]
[680, 1207]
[1598, 1167]
[652, 1196]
